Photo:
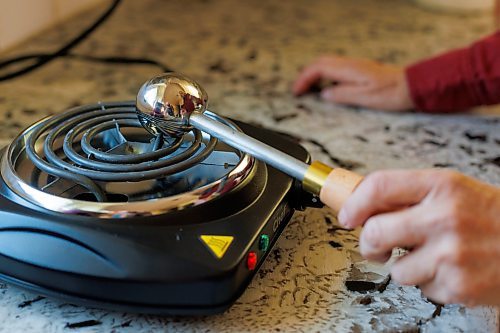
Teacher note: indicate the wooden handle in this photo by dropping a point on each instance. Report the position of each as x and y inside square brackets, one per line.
[338, 186]
[334, 186]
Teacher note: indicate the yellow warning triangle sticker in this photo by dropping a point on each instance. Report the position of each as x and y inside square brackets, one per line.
[218, 245]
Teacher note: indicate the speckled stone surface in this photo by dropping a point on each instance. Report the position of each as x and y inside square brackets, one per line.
[246, 54]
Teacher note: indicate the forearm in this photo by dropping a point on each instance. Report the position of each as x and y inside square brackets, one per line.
[459, 79]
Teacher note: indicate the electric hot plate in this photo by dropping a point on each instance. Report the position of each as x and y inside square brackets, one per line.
[97, 211]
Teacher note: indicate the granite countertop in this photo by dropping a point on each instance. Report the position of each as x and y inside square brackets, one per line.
[246, 54]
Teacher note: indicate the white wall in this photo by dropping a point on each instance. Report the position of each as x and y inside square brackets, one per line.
[20, 19]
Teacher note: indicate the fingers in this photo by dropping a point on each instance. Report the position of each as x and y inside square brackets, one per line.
[307, 77]
[343, 94]
[446, 286]
[358, 82]
[382, 233]
[433, 267]
[417, 267]
[435, 292]
[383, 191]
[334, 69]
[360, 95]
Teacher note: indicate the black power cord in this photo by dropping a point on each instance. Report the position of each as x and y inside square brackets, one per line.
[122, 60]
[41, 59]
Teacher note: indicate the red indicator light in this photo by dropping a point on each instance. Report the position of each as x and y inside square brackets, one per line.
[251, 260]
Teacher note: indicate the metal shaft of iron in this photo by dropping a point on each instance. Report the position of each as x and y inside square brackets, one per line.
[261, 151]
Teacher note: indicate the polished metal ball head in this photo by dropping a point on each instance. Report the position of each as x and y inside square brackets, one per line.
[165, 103]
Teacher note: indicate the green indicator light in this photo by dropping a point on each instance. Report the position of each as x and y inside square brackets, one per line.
[264, 243]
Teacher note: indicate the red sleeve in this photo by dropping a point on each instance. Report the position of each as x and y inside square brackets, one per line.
[459, 79]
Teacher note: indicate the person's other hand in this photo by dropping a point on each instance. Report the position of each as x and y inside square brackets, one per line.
[497, 14]
[449, 222]
[357, 82]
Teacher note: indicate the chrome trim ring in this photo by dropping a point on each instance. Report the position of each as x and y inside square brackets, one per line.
[243, 171]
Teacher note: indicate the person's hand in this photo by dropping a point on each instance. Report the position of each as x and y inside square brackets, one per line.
[450, 224]
[355, 82]
[497, 14]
